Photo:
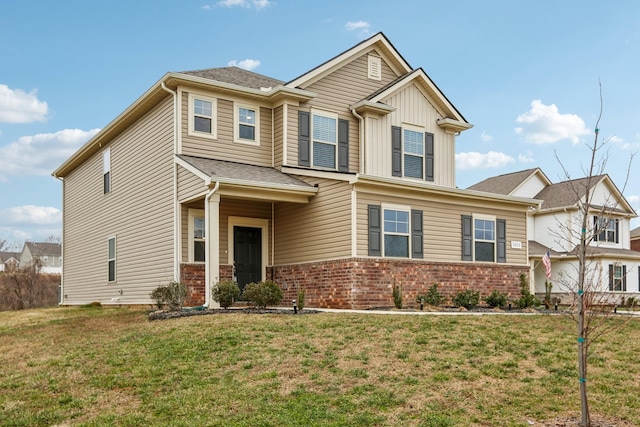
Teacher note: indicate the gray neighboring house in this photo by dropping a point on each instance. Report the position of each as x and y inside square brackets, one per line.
[555, 227]
[49, 254]
[9, 260]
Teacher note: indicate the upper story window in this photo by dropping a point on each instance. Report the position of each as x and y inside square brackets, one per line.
[484, 238]
[106, 170]
[202, 116]
[606, 229]
[325, 140]
[246, 124]
[413, 149]
[395, 231]
[412, 152]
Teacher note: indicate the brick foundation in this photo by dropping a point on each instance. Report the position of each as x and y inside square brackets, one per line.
[359, 283]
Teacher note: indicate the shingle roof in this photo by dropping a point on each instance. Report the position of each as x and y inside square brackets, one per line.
[44, 248]
[239, 171]
[503, 184]
[538, 249]
[635, 232]
[566, 193]
[6, 256]
[236, 76]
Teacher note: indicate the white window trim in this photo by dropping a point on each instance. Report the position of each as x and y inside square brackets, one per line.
[114, 259]
[418, 129]
[261, 223]
[193, 214]
[394, 207]
[330, 116]
[495, 235]
[236, 123]
[214, 116]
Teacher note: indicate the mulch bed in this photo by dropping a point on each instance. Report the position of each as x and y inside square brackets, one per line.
[163, 314]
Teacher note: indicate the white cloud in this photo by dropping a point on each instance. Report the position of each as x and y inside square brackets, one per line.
[527, 157]
[247, 4]
[30, 214]
[247, 64]
[17, 106]
[360, 27]
[207, 7]
[490, 160]
[40, 154]
[485, 137]
[544, 124]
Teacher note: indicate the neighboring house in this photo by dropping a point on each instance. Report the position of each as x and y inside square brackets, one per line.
[48, 254]
[340, 182]
[9, 261]
[556, 226]
[635, 239]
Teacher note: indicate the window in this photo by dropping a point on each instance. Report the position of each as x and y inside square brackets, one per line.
[413, 148]
[395, 231]
[247, 124]
[202, 119]
[196, 235]
[483, 239]
[325, 140]
[111, 259]
[617, 277]
[412, 152]
[106, 170]
[606, 229]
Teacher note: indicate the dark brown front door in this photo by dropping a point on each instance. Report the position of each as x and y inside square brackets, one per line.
[247, 255]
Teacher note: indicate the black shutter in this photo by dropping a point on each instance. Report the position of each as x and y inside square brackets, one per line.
[624, 278]
[467, 239]
[375, 231]
[501, 226]
[428, 158]
[417, 234]
[304, 146]
[396, 151]
[343, 145]
[617, 230]
[610, 277]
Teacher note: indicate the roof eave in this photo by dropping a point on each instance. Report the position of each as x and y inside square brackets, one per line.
[453, 126]
[366, 106]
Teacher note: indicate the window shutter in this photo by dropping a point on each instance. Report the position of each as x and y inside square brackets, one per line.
[624, 278]
[375, 231]
[428, 156]
[611, 279]
[304, 158]
[343, 145]
[396, 151]
[617, 230]
[467, 239]
[501, 226]
[417, 238]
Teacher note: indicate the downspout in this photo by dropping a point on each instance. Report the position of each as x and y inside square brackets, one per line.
[362, 128]
[176, 207]
[354, 196]
[207, 233]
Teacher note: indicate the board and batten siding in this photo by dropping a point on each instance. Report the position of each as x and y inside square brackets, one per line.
[224, 147]
[411, 108]
[442, 224]
[319, 230]
[138, 212]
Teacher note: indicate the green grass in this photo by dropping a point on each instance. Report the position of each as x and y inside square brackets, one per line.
[95, 367]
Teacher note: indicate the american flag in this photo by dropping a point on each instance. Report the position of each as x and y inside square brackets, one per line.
[546, 260]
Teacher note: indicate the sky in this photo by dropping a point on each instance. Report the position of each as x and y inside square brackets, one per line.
[529, 76]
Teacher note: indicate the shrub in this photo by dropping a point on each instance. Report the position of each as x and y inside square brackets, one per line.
[433, 297]
[397, 296]
[172, 296]
[225, 292]
[300, 300]
[496, 299]
[527, 299]
[263, 294]
[467, 299]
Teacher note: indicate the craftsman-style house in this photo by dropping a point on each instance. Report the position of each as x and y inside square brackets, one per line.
[340, 182]
[555, 227]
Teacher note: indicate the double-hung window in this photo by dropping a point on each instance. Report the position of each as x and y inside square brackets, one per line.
[247, 124]
[617, 277]
[396, 233]
[202, 115]
[111, 259]
[484, 231]
[606, 229]
[106, 170]
[196, 235]
[324, 140]
[483, 238]
[413, 151]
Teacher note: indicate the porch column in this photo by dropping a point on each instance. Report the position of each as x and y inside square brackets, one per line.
[212, 252]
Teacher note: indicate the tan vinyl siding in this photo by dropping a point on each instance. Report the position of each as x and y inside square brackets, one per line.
[190, 186]
[412, 108]
[240, 208]
[292, 135]
[278, 135]
[442, 224]
[138, 212]
[316, 231]
[224, 147]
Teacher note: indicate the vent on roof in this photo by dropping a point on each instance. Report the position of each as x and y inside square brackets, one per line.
[375, 68]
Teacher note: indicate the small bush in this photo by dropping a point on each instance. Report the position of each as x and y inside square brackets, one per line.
[225, 292]
[433, 297]
[467, 299]
[527, 299]
[496, 299]
[300, 300]
[397, 296]
[263, 294]
[172, 296]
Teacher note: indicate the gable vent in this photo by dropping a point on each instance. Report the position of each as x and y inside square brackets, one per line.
[375, 68]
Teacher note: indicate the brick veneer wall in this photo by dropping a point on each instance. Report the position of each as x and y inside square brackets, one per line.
[365, 283]
[193, 277]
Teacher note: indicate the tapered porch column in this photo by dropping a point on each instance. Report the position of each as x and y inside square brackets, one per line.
[212, 253]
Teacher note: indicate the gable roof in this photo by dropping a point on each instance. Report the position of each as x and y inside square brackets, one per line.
[506, 183]
[635, 233]
[43, 248]
[236, 76]
[538, 250]
[6, 256]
